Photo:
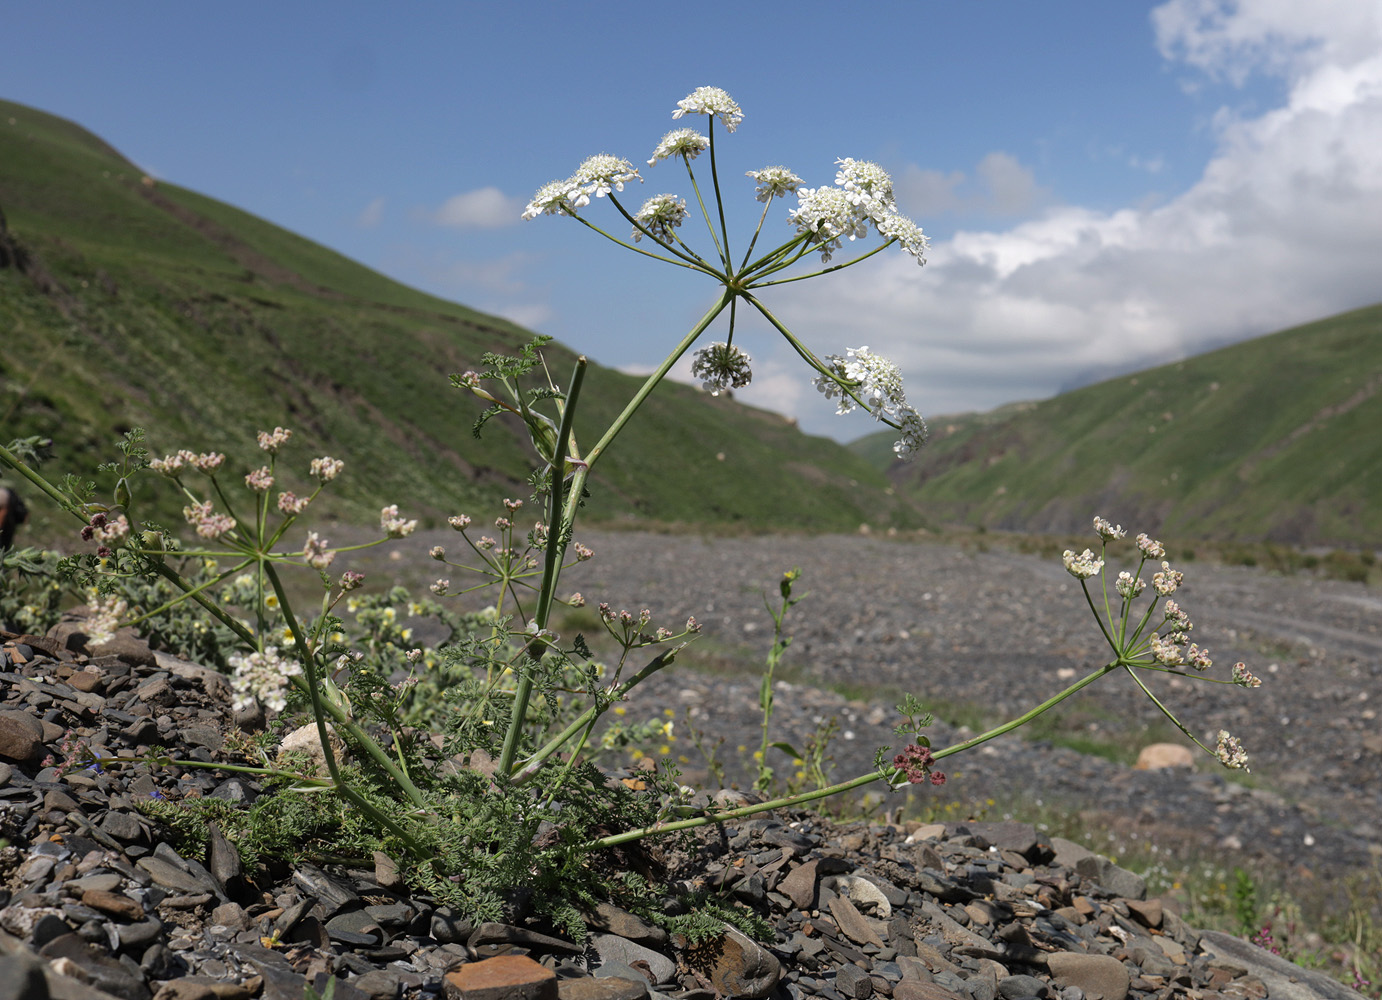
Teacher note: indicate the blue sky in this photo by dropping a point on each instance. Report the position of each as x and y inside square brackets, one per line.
[1106, 185]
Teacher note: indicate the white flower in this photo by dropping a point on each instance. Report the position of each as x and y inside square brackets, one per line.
[827, 215]
[263, 676]
[393, 525]
[1151, 548]
[913, 430]
[1107, 531]
[1127, 586]
[104, 619]
[684, 142]
[1244, 677]
[894, 226]
[553, 198]
[326, 468]
[874, 378]
[1167, 580]
[1082, 566]
[315, 552]
[1230, 752]
[721, 366]
[272, 442]
[1166, 652]
[660, 214]
[866, 185]
[711, 101]
[600, 174]
[774, 182]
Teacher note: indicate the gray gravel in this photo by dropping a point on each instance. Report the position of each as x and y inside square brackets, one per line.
[1006, 630]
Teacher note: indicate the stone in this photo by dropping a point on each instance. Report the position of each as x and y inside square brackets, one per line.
[1115, 880]
[799, 885]
[1101, 977]
[607, 988]
[863, 893]
[1159, 756]
[69, 955]
[608, 917]
[916, 989]
[1012, 987]
[853, 983]
[113, 904]
[741, 968]
[1148, 912]
[508, 977]
[21, 736]
[21, 978]
[853, 923]
[612, 948]
[201, 988]
[128, 646]
[496, 933]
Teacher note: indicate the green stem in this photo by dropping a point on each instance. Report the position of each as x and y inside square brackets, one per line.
[815, 274]
[845, 786]
[556, 531]
[719, 201]
[322, 706]
[534, 763]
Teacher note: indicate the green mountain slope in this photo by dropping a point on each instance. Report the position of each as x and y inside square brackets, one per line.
[128, 302]
[1276, 438]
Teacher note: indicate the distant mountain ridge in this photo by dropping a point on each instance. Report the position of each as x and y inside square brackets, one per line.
[1278, 438]
[125, 301]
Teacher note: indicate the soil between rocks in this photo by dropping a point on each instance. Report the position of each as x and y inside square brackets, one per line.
[993, 628]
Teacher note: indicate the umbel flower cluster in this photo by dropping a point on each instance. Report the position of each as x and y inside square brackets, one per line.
[858, 204]
[1160, 639]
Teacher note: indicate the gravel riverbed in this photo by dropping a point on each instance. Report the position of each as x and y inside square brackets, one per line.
[1003, 631]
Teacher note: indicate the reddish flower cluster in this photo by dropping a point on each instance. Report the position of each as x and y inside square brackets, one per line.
[915, 761]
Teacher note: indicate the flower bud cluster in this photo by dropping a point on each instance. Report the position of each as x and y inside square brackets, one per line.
[316, 553]
[393, 525]
[721, 366]
[1230, 752]
[1167, 580]
[326, 468]
[915, 761]
[170, 465]
[271, 442]
[208, 523]
[1082, 566]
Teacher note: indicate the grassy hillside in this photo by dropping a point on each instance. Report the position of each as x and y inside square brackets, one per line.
[1277, 438]
[128, 302]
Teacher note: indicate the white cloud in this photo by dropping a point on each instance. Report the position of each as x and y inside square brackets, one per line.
[372, 215]
[483, 208]
[1283, 226]
[531, 315]
[1000, 186]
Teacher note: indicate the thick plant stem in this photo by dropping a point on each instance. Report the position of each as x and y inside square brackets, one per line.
[551, 569]
[535, 762]
[321, 706]
[845, 786]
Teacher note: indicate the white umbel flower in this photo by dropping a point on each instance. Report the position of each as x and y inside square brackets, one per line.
[660, 214]
[774, 182]
[827, 215]
[721, 366]
[553, 198]
[683, 142]
[711, 101]
[600, 174]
